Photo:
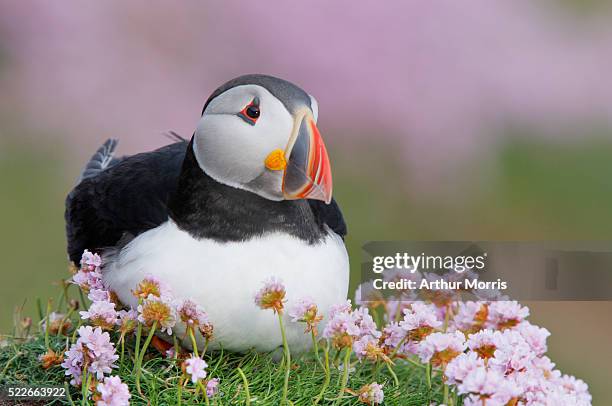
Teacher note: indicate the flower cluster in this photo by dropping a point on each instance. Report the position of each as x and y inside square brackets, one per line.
[112, 392]
[486, 349]
[89, 276]
[92, 352]
[347, 327]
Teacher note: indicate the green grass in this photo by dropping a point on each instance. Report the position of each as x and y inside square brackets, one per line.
[20, 365]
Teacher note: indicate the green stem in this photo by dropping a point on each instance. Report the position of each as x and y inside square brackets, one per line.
[61, 300]
[416, 364]
[9, 362]
[327, 374]
[84, 386]
[203, 388]
[287, 354]
[315, 348]
[76, 330]
[398, 313]
[207, 340]
[179, 394]
[246, 386]
[399, 345]
[445, 398]
[39, 309]
[176, 346]
[122, 339]
[138, 334]
[194, 344]
[142, 354]
[345, 372]
[428, 374]
[67, 391]
[376, 368]
[83, 302]
[392, 372]
[64, 319]
[376, 317]
[47, 324]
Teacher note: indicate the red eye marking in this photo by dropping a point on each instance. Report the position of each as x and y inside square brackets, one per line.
[250, 113]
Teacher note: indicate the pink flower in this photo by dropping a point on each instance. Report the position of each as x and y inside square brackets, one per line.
[461, 366]
[365, 322]
[506, 314]
[191, 313]
[484, 343]
[546, 367]
[271, 295]
[345, 307]
[88, 280]
[196, 368]
[101, 314]
[113, 392]
[534, 336]
[306, 311]
[151, 285]
[194, 316]
[342, 329]
[471, 316]
[300, 311]
[393, 335]
[126, 320]
[419, 321]
[212, 387]
[513, 353]
[94, 349]
[441, 348]
[157, 309]
[97, 295]
[90, 261]
[490, 384]
[576, 387]
[367, 347]
[371, 394]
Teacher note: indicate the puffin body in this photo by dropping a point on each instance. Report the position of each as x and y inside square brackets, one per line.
[246, 199]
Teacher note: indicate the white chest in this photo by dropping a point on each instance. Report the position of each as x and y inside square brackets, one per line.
[224, 277]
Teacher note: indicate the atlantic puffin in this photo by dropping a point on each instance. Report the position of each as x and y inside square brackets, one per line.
[247, 198]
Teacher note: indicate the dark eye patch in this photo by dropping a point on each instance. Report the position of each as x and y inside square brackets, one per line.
[251, 112]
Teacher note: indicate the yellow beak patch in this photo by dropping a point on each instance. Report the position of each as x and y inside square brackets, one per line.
[275, 161]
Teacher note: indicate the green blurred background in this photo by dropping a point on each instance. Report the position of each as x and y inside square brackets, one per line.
[426, 169]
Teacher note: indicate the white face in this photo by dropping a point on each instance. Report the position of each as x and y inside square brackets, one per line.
[232, 147]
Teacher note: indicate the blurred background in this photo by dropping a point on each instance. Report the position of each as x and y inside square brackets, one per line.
[444, 120]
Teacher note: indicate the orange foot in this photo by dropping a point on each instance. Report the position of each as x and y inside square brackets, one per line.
[160, 345]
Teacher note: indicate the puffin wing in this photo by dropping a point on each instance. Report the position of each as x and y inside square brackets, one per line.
[120, 197]
[329, 214]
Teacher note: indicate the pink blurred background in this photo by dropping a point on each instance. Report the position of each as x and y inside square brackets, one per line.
[434, 77]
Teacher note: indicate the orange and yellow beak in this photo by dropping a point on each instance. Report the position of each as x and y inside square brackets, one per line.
[307, 171]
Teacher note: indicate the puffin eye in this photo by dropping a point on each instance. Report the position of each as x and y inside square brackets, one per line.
[250, 113]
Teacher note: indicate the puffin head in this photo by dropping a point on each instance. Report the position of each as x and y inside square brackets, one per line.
[259, 133]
